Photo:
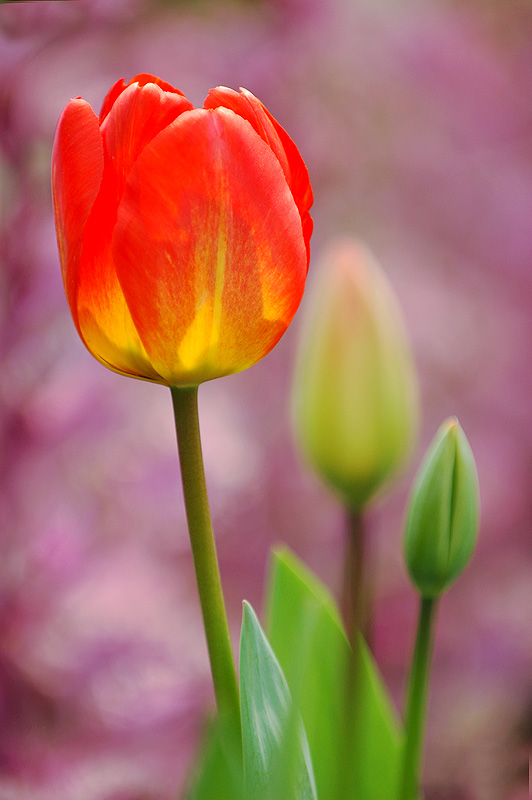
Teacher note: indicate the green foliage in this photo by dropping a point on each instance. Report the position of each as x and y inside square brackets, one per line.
[301, 738]
[218, 772]
[275, 750]
[355, 745]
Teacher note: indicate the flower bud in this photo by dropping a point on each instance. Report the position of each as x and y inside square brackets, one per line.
[443, 516]
[355, 396]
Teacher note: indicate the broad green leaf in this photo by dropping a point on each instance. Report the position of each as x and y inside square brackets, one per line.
[275, 751]
[355, 745]
[218, 773]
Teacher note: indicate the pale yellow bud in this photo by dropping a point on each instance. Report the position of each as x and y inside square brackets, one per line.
[355, 395]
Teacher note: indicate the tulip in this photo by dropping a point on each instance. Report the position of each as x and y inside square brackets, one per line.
[355, 397]
[443, 516]
[440, 536]
[183, 233]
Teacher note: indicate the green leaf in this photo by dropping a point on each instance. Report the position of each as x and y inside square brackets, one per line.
[275, 750]
[218, 774]
[355, 755]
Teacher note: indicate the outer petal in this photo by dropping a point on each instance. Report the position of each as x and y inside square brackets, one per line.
[138, 114]
[77, 169]
[109, 100]
[246, 105]
[208, 248]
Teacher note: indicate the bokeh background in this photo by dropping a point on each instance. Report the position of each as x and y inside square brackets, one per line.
[415, 119]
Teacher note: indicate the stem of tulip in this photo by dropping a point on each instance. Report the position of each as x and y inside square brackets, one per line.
[416, 706]
[185, 402]
[355, 590]
[355, 618]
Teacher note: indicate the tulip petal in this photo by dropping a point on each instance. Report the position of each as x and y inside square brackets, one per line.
[246, 105]
[142, 79]
[208, 247]
[77, 168]
[110, 98]
[138, 114]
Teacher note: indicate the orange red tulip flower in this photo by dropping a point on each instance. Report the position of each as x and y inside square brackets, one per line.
[183, 233]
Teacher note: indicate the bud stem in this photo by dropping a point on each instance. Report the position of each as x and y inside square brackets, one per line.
[417, 701]
[356, 600]
[185, 401]
[355, 594]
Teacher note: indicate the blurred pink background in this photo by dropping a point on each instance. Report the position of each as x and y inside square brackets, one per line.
[415, 120]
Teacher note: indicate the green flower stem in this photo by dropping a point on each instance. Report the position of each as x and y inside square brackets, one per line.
[185, 402]
[356, 585]
[417, 701]
[354, 609]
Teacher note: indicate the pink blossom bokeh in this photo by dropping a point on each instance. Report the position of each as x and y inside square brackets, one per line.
[415, 119]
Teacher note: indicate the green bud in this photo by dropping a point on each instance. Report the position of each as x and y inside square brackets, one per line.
[355, 394]
[443, 515]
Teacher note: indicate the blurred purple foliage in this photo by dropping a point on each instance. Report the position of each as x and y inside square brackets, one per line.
[415, 120]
